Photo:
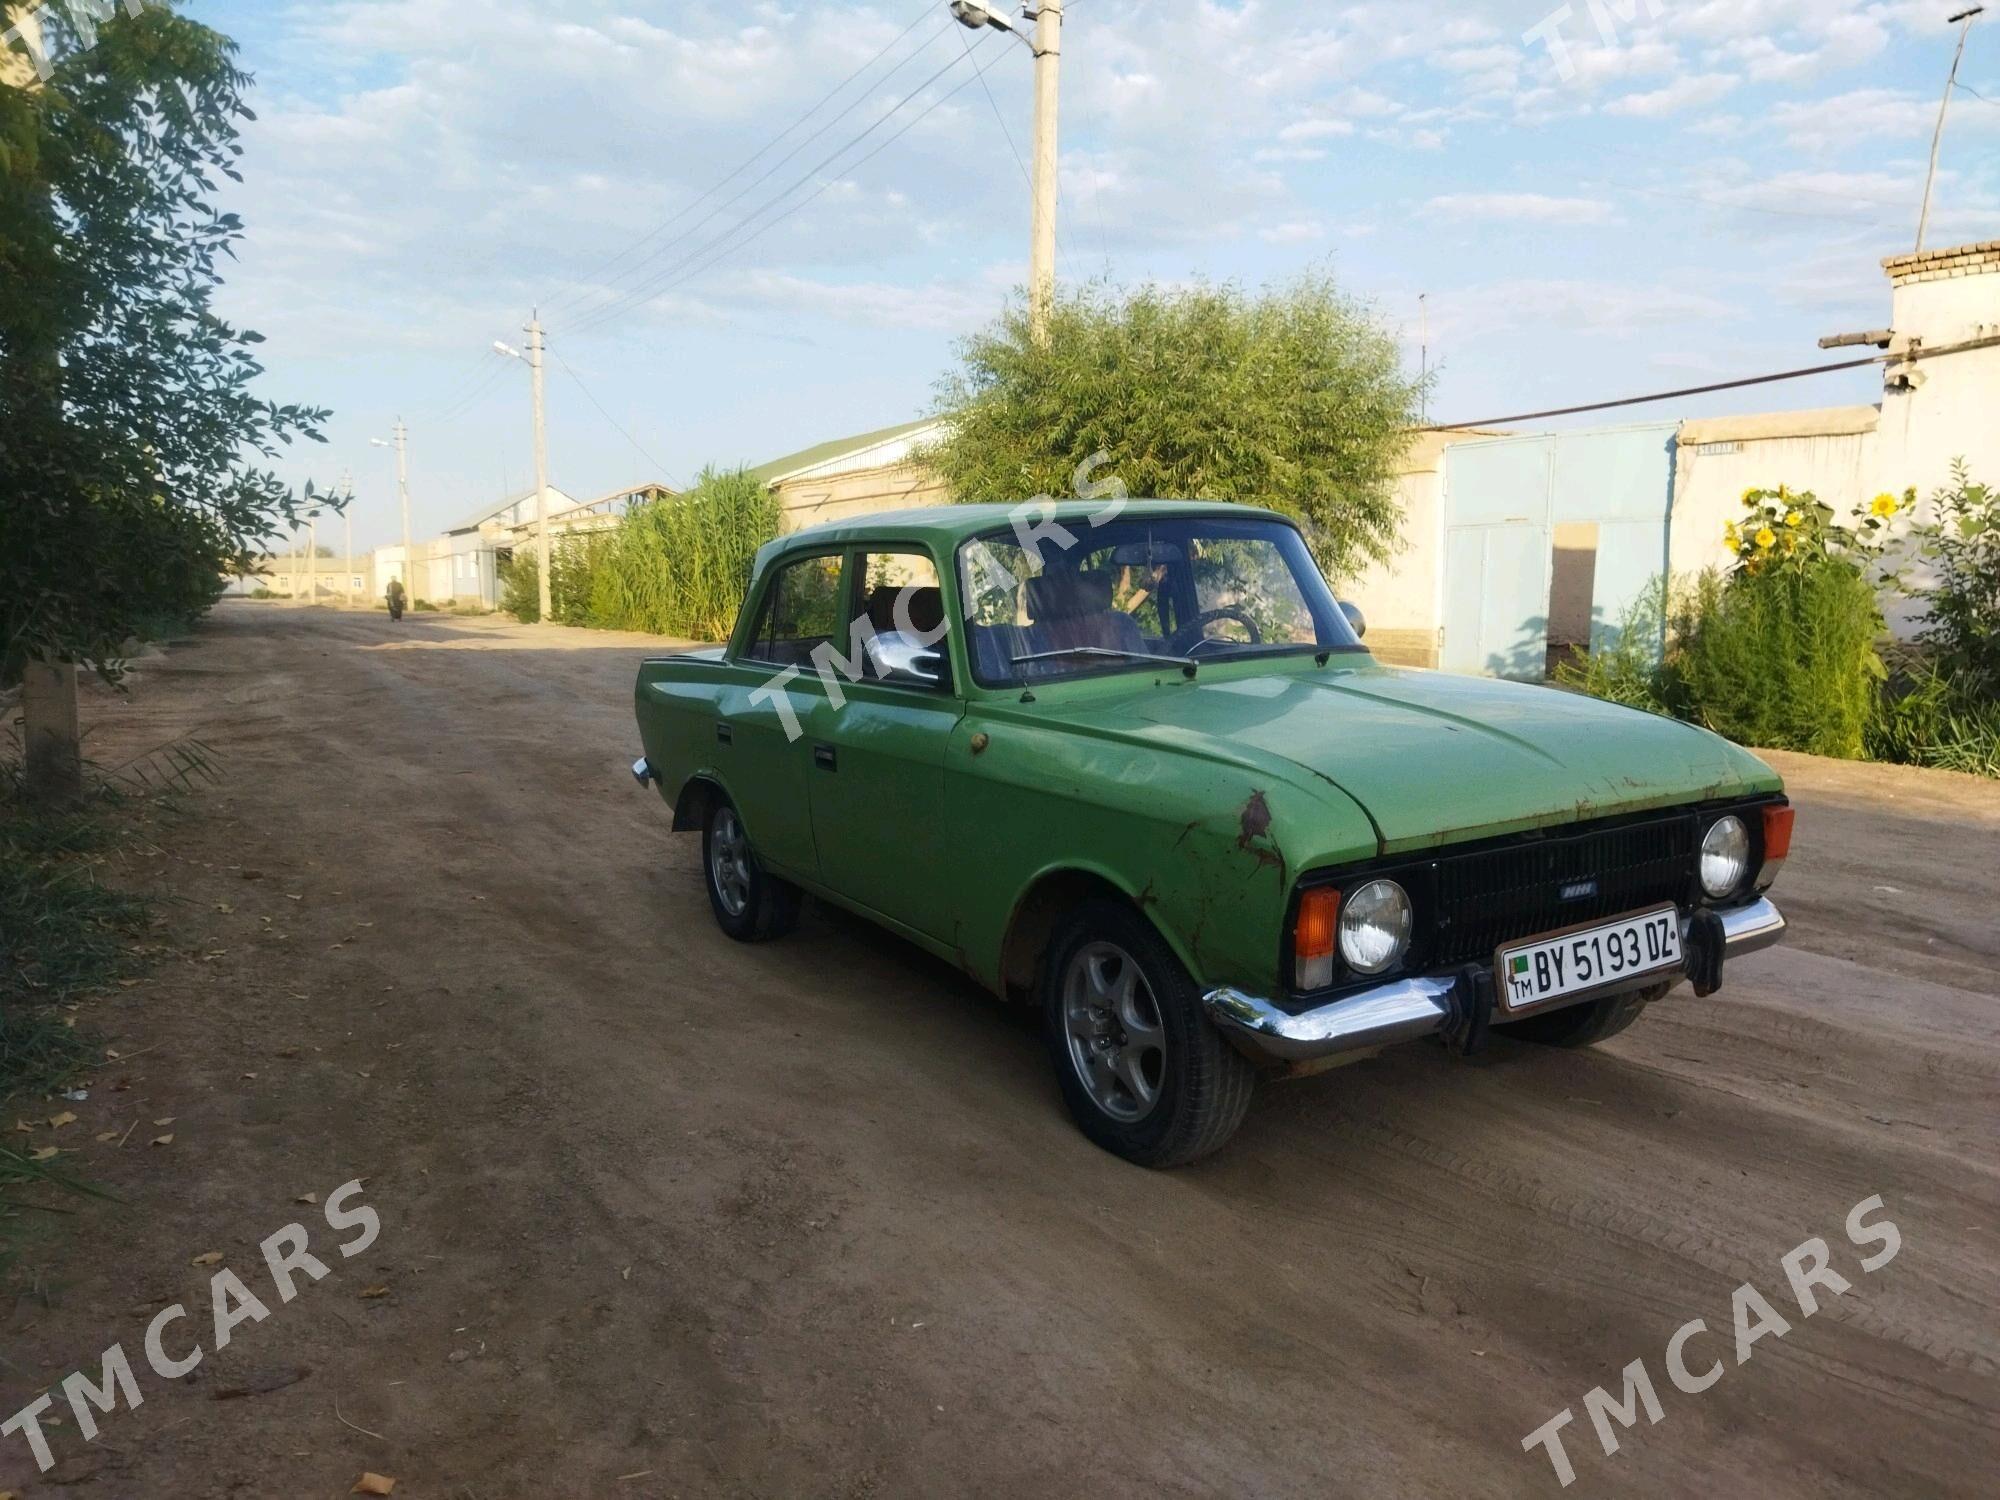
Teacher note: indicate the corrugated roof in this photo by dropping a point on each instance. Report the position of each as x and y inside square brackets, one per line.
[823, 453]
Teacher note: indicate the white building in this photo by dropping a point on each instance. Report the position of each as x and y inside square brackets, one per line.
[1519, 546]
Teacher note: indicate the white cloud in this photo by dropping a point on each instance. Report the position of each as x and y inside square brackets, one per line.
[1293, 232]
[1694, 92]
[1530, 208]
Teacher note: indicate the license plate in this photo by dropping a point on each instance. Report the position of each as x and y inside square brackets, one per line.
[1588, 958]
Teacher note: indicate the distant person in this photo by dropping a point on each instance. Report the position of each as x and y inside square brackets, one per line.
[396, 598]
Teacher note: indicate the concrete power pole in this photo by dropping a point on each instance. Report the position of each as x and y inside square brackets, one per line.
[536, 356]
[347, 515]
[1048, 84]
[403, 493]
[1967, 17]
[312, 558]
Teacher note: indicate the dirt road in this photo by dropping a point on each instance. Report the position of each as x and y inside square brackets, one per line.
[662, 1215]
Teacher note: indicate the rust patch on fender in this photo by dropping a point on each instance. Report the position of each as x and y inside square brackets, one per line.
[1256, 824]
[1256, 820]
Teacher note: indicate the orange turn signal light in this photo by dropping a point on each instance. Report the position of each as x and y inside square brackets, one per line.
[1777, 832]
[1319, 919]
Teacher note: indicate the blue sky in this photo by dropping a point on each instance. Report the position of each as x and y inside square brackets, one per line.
[1692, 190]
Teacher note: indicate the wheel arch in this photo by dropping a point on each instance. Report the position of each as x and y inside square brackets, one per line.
[1040, 908]
[698, 794]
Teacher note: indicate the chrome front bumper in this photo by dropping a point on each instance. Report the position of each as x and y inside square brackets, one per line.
[1406, 1009]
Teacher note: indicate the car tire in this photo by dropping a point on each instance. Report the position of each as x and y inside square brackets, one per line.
[1583, 1025]
[750, 904]
[1173, 1091]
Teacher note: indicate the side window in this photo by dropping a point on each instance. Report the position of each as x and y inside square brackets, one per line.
[903, 602]
[802, 610]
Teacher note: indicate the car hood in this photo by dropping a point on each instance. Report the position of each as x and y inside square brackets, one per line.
[1435, 759]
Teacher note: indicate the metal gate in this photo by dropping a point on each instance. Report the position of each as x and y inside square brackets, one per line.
[1504, 503]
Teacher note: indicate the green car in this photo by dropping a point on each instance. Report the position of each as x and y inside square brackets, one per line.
[1130, 762]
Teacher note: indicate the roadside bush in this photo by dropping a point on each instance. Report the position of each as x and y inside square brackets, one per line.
[1779, 652]
[680, 566]
[521, 588]
[1927, 718]
[676, 567]
[1961, 542]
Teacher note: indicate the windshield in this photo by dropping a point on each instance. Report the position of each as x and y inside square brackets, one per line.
[1082, 600]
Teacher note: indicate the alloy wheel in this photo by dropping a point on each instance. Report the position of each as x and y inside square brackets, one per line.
[729, 862]
[1112, 1023]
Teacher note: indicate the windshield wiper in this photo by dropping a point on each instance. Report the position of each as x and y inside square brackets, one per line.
[1186, 663]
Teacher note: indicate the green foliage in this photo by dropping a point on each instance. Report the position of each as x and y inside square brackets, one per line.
[132, 437]
[521, 588]
[1623, 664]
[677, 566]
[1781, 657]
[1961, 542]
[1295, 399]
[1928, 717]
[680, 566]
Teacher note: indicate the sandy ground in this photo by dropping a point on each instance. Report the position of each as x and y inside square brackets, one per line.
[662, 1215]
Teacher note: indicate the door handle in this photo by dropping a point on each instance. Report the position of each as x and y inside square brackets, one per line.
[824, 758]
[724, 735]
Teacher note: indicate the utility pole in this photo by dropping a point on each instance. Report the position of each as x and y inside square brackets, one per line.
[1424, 314]
[312, 558]
[1048, 81]
[1967, 17]
[347, 515]
[536, 351]
[403, 493]
[1047, 47]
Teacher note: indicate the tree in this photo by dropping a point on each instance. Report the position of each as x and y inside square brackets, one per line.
[1295, 398]
[129, 477]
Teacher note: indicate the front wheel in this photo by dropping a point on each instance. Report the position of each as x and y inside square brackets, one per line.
[750, 904]
[1144, 1071]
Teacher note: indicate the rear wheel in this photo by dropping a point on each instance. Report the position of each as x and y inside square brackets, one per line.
[1144, 1071]
[750, 904]
[1584, 1025]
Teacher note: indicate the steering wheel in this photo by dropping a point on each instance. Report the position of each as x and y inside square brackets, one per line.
[1192, 631]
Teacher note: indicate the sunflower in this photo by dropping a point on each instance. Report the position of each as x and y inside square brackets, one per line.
[1793, 518]
[1750, 495]
[1767, 539]
[1884, 505]
[1732, 536]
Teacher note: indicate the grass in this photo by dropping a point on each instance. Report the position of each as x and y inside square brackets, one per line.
[63, 935]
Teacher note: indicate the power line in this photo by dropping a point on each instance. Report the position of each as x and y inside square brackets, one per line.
[1693, 390]
[658, 467]
[616, 297]
[671, 276]
[562, 293]
[853, 166]
[1965, 88]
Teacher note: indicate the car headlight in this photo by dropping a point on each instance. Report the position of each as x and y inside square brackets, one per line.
[1725, 856]
[1375, 927]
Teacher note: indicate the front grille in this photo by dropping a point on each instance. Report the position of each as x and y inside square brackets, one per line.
[1503, 894]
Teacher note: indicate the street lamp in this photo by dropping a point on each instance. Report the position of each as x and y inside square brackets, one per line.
[1047, 47]
[972, 15]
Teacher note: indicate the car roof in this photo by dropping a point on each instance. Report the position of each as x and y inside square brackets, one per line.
[945, 526]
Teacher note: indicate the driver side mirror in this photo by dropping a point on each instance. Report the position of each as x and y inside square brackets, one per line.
[1356, 621]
